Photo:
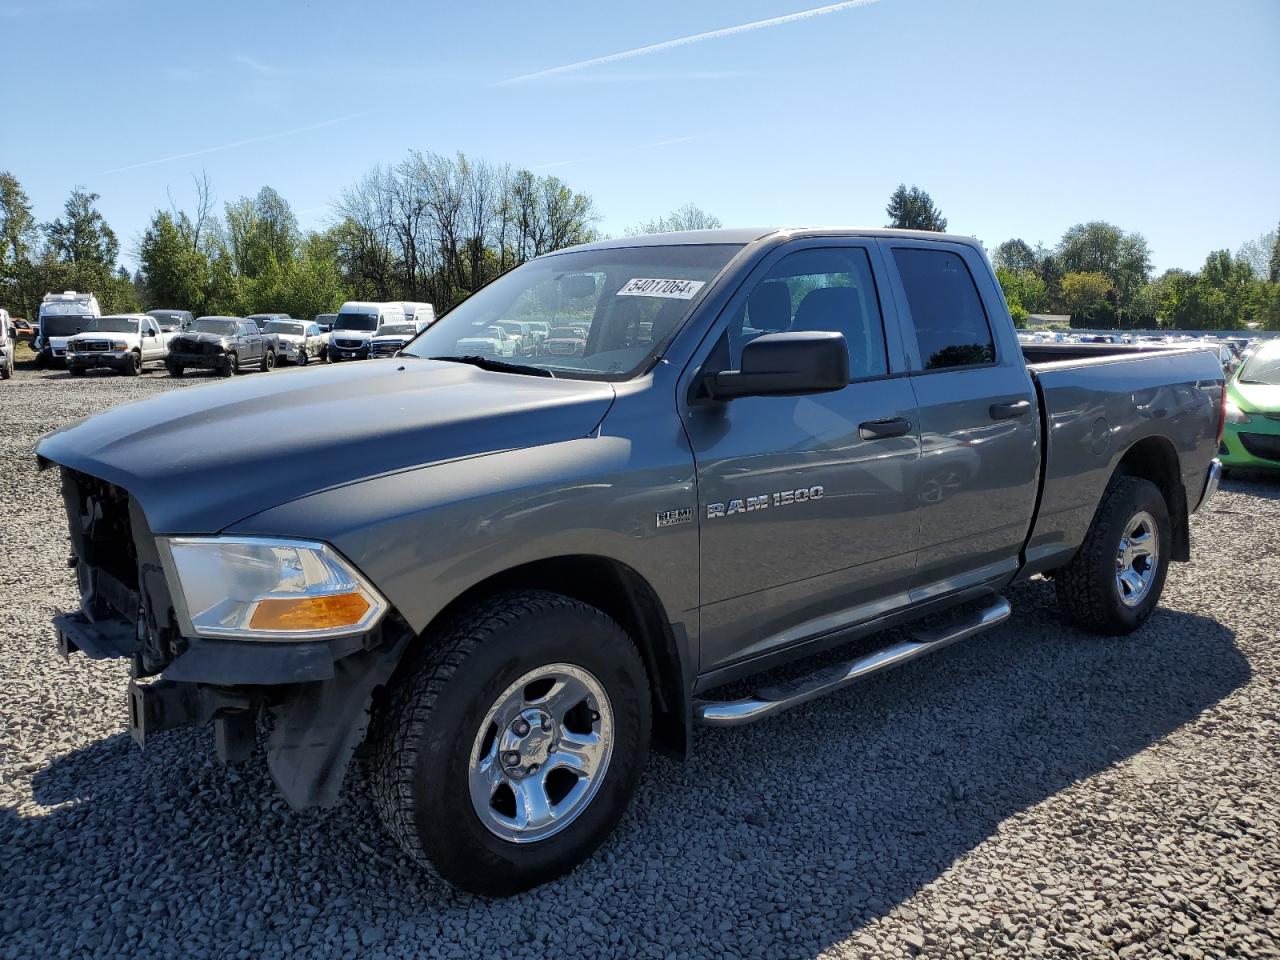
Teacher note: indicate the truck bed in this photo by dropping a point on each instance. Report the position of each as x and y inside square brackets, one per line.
[1101, 402]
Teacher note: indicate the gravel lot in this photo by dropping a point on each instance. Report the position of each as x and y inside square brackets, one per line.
[1035, 792]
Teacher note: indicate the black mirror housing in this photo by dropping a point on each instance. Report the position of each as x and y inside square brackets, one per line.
[785, 365]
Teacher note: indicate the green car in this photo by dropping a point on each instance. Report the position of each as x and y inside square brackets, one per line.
[1252, 437]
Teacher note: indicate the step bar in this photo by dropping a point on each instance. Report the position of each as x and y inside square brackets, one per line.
[773, 699]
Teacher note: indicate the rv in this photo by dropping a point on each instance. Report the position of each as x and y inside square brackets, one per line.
[62, 315]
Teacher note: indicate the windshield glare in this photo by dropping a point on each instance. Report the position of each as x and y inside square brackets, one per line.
[224, 328]
[283, 326]
[1263, 366]
[356, 321]
[112, 325]
[628, 303]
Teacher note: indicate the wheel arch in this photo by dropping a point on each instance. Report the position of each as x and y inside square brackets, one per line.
[627, 597]
[1154, 458]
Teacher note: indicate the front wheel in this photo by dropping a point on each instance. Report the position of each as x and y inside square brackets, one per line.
[302, 357]
[513, 748]
[132, 365]
[1114, 582]
[268, 361]
[230, 365]
[175, 369]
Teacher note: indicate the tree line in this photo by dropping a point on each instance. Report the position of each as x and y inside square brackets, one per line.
[1101, 276]
[436, 228]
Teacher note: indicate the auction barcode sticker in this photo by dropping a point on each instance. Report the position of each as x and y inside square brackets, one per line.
[671, 289]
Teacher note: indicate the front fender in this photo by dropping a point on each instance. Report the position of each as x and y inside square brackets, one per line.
[425, 536]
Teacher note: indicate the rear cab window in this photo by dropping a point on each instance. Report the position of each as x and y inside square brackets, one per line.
[946, 312]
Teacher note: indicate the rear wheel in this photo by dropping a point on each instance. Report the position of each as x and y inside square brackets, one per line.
[6, 369]
[1114, 582]
[513, 748]
[175, 369]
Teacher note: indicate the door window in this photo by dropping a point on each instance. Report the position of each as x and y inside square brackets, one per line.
[829, 288]
[950, 324]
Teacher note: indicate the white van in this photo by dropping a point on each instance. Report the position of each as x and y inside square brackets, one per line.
[354, 326]
[62, 315]
[421, 315]
[7, 343]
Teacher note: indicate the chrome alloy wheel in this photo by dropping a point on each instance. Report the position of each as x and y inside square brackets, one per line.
[1137, 558]
[541, 753]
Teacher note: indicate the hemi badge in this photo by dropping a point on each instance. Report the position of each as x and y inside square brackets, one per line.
[669, 518]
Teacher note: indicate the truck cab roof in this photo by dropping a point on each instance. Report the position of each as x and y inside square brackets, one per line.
[746, 235]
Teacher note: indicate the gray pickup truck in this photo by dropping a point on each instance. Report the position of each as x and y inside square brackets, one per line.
[501, 581]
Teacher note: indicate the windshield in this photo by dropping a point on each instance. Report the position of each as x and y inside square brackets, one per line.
[356, 321]
[112, 325]
[64, 326]
[1263, 366]
[223, 328]
[397, 330]
[284, 326]
[628, 302]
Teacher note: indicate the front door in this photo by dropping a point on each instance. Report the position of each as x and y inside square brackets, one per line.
[804, 502]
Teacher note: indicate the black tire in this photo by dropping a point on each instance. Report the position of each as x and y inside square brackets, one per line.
[175, 369]
[268, 362]
[76, 371]
[230, 365]
[302, 356]
[6, 371]
[1087, 588]
[324, 354]
[133, 366]
[425, 729]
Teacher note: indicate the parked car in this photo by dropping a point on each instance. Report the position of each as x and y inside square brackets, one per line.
[512, 577]
[172, 321]
[228, 345]
[354, 327]
[8, 342]
[62, 315]
[564, 342]
[421, 315]
[298, 340]
[124, 343]
[1252, 437]
[390, 338]
[490, 341]
[23, 329]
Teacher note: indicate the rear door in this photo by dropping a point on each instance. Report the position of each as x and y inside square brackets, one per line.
[979, 423]
[805, 503]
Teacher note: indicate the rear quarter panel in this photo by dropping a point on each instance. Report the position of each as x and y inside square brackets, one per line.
[1095, 411]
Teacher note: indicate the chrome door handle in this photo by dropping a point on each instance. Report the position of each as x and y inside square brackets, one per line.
[1007, 411]
[884, 429]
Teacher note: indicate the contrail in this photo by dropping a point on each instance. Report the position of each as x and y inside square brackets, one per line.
[685, 41]
[238, 143]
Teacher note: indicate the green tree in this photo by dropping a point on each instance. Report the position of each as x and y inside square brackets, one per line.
[688, 217]
[1273, 268]
[1024, 288]
[913, 209]
[83, 236]
[1257, 253]
[174, 274]
[1016, 255]
[1100, 247]
[1084, 294]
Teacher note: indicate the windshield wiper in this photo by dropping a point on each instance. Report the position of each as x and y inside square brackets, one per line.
[500, 366]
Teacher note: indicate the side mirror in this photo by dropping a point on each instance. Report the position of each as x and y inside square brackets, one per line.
[148, 333]
[785, 364]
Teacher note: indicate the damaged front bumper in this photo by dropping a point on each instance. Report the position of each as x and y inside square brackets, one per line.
[317, 693]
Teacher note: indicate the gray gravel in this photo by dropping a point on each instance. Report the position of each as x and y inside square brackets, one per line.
[1036, 792]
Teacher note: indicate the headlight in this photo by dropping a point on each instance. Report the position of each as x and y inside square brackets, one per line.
[260, 588]
[119, 345]
[1234, 413]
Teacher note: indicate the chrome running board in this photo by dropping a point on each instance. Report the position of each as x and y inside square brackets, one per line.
[778, 697]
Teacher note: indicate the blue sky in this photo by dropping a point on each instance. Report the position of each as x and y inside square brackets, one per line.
[1020, 117]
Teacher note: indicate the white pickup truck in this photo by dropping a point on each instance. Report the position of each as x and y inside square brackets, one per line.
[123, 343]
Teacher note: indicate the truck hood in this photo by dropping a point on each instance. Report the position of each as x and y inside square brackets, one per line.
[194, 337]
[1255, 397]
[199, 459]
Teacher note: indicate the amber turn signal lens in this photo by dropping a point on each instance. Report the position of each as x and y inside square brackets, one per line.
[309, 613]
